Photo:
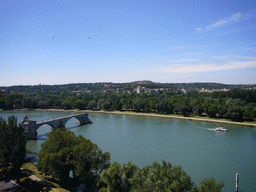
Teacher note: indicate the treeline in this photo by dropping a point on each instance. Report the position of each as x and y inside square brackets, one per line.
[236, 104]
[112, 87]
[155, 177]
[56, 89]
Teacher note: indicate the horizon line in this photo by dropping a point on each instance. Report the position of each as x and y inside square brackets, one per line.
[123, 83]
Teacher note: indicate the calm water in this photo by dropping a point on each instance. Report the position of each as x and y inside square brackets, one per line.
[200, 151]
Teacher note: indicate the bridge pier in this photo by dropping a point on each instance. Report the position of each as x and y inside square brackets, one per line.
[30, 129]
[31, 126]
[83, 119]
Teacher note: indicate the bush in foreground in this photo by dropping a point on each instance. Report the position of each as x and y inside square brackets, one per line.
[155, 177]
[12, 146]
[71, 160]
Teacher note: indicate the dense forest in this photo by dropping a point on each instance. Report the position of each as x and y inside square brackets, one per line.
[235, 102]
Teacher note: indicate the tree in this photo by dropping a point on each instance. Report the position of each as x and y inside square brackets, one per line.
[234, 113]
[161, 106]
[117, 177]
[92, 104]
[211, 110]
[100, 103]
[26, 102]
[113, 177]
[249, 111]
[66, 104]
[199, 110]
[152, 103]
[106, 105]
[71, 160]
[139, 104]
[118, 104]
[161, 178]
[2, 103]
[155, 177]
[128, 170]
[42, 104]
[210, 185]
[128, 105]
[222, 109]
[80, 104]
[183, 106]
[12, 146]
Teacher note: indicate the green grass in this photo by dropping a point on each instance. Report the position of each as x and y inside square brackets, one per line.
[30, 184]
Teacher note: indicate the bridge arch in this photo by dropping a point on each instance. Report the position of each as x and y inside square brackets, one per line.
[42, 124]
[43, 130]
[78, 120]
[53, 124]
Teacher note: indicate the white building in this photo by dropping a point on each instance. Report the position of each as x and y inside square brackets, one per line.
[138, 90]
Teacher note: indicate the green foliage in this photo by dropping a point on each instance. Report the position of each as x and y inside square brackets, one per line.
[211, 110]
[161, 178]
[234, 113]
[43, 104]
[210, 185]
[2, 103]
[156, 177]
[150, 178]
[12, 145]
[66, 104]
[92, 104]
[80, 104]
[128, 171]
[113, 177]
[237, 104]
[63, 154]
[117, 177]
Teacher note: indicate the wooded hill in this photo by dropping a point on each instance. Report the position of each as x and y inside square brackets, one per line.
[235, 102]
[119, 87]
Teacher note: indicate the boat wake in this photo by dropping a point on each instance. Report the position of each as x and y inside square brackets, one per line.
[221, 129]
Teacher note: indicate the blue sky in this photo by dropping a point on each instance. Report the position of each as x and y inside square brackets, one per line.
[84, 41]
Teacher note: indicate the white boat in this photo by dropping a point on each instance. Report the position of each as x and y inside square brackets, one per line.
[220, 129]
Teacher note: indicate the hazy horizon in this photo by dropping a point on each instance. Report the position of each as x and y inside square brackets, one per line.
[121, 83]
[64, 42]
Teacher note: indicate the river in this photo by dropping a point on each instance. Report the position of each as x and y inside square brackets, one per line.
[195, 146]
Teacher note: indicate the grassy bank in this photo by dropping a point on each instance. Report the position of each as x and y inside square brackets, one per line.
[33, 180]
[176, 116]
[173, 116]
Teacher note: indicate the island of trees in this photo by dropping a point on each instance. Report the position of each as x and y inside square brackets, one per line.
[73, 160]
[234, 102]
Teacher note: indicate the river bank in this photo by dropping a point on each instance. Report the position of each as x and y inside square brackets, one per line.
[34, 180]
[173, 116]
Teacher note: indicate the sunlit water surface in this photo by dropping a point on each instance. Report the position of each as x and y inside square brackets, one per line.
[201, 151]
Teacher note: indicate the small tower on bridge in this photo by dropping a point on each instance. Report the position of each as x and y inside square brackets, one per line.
[29, 128]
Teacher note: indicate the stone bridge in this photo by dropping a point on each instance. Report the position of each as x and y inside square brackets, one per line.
[31, 126]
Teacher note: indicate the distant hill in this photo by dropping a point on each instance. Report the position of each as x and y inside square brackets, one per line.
[193, 86]
[143, 82]
[118, 87]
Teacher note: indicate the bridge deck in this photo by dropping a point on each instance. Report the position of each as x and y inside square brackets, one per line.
[58, 118]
